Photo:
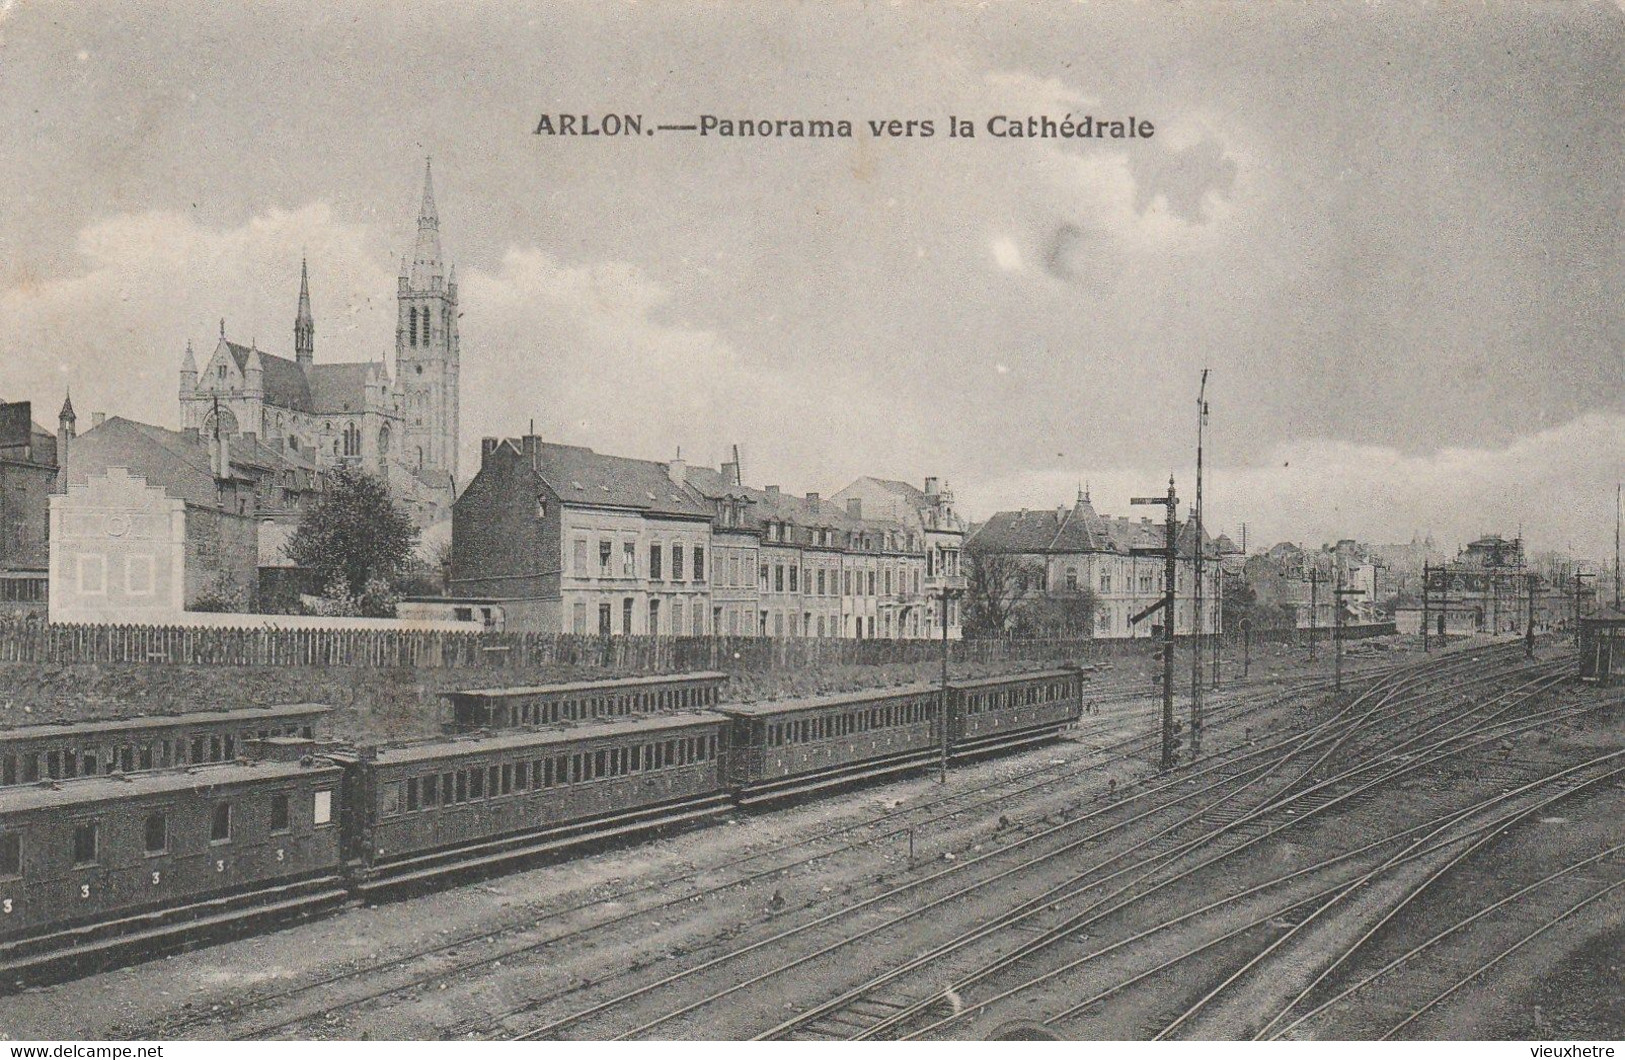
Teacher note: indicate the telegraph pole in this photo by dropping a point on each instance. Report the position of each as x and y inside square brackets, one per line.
[1529, 628]
[1167, 606]
[1425, 615]
[948, 593]
[1338, 594]
[1314, 608]
[1196, 570]
[1577, 576]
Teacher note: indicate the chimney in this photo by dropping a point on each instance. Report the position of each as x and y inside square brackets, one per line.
[487, 447]
[737, 481]
[97, 419]
[730, 474]
[220, 455]
[813, 501]
[931, 486]
[854, 507]
[677, 470]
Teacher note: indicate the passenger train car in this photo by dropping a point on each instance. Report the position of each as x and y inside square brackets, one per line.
[125, 745]
[96, 868]
[513, 708]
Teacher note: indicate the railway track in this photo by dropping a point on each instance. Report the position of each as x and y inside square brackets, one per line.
[876, 1008]
[1218, 792]
[876, 830]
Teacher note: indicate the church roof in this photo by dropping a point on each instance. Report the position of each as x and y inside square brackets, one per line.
[338, 387]
[283, 380]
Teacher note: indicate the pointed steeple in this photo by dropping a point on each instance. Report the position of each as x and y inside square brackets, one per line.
[189, 364]
[66, 416]
[426, 255]
[304, 325]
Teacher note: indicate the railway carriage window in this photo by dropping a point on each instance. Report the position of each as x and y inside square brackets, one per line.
[214, 748]
[463, 785]
[521, 776]
[231, 747]
[90, 763]
[197, 749]
[126, 759]
[322, 808]
[85, 835]
[220, 823]
[53, 764]
[70, 763]
[711, 747]
[11, 854]
[507, 778]
[447, 785]
[280, 818]
[599, 769]
[8, 769]
[575, 769]
[431, 790]
[493, 781]
[561, 770]
[412, 794]
[30, 767]
[389, 798]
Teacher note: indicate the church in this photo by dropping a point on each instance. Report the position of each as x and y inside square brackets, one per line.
[402, 429]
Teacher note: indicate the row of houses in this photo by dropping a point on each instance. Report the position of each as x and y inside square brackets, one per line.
[562, 539]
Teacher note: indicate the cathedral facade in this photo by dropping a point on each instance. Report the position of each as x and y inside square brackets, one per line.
[403, 429]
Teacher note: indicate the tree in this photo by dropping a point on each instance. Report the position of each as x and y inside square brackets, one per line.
[1071, 615]
[354, 538]
[996, 583]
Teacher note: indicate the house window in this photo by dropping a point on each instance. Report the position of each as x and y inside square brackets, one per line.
[654, 616]
[764, 578]
[626, 616]
[85, 835]
[778, 577]
[604, 620]
[220, 823]
[1072, 579]
[794, 571]
[820, 588]
[676, 617]
[1105, 581]
[604, 549]
[676, 562]
[11, 854]
[699, 563]
[581, 558]
[656, 554]
[578, 617]
[280, 820]
[93, 575]
[157, 833]
[138, 575]
[871, 593]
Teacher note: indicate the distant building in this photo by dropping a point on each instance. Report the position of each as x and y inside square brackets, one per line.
[1489, 588]
[403, 430]
[930, 514]
[1079, 550]
[566, 540]
[153, 520]
[28, 475]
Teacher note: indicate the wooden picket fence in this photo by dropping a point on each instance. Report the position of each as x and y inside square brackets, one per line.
[26, 642]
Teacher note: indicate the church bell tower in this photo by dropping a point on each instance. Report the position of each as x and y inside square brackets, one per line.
[426, 349]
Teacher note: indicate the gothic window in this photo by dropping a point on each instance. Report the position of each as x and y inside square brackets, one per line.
[414, 317]
[352, 440]
[383, 441]
[420, 457]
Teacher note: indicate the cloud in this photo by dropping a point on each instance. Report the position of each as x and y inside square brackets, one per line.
[1557, 483]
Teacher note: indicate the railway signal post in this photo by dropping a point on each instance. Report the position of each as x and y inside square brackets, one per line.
[1167, 607]
[1337, 628]
[949, 591]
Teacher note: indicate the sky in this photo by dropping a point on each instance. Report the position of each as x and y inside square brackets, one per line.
[1394, 234]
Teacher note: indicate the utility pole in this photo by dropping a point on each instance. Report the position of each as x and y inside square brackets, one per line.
[1338, 593]
[1577, 576]
[1197, 630]
[1166, 605]
[948, 592]
[1529, 628]
[1314, 608]
[1617, 495]
[1425, 615]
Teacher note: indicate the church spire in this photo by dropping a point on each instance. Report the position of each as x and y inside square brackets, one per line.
[426, 255]
[304, 325]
